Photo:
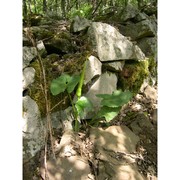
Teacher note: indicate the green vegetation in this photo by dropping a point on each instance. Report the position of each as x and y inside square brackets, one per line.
[69, 9]
[110, 104]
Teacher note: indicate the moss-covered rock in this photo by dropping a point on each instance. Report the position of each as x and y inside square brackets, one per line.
[54, 67]
[61, 43]
[133, 75]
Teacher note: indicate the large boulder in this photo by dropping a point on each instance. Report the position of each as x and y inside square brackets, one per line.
[111, 45]
[61, 43]
[33, 129]
[129, 12]
[148, 45]
[114, 146]
[79, 24]
[145, 28]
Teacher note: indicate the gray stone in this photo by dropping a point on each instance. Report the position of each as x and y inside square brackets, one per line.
[151, 93]
[60, 44]
[28, 76]
[105, 84]
[79, 24]
[139, 123]
[145, 28]
[148, 45]
[114, 66]
[93, 69]
[29, 53]
[111, 45]
[41, 48]
[26, 41]
[140, 17]
[129, 12]
[33, 129]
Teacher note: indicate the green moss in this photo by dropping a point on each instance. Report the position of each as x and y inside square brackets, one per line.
[133, 75]
[71, 64]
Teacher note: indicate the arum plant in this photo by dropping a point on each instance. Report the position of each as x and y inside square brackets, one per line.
[68, 83]
[111, 104]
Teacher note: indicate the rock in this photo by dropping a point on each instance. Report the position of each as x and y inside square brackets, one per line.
[151, 93]
[41, 32]
[33, 129]
[93, 69]
[114, 66]
[140, 17]
[41, 48]
[111, 45]
[114, 138]
[105, 84]
[139, 123]
[145, 28]
[28, 76]
[119, 172]
[29, 53]
[68, 164]
[73, 167]
[79, 24]
[61, 43]
[148, 45]
[129, 12]
[113, 146]
[26, 41]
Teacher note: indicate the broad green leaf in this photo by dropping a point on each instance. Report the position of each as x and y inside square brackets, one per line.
[73, 81]
[117, 99]
[83, 106]
[59, 84]
[108, 112]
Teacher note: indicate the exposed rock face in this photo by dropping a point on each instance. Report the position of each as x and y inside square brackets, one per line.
[129, 12]
[73, 167]
[148, 45]
[145, 28]
[111, 45]
[28, 76]
[93, 69]
[33, 129]
[29, 53]
[114, 66]
[114, 144]
[80, 24]
[105, 84]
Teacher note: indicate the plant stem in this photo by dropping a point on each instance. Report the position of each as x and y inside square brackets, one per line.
[76, 127]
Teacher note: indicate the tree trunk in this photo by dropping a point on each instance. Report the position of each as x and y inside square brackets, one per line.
[44, 6]
[24, 9]
[63, 8]
[34, 1]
